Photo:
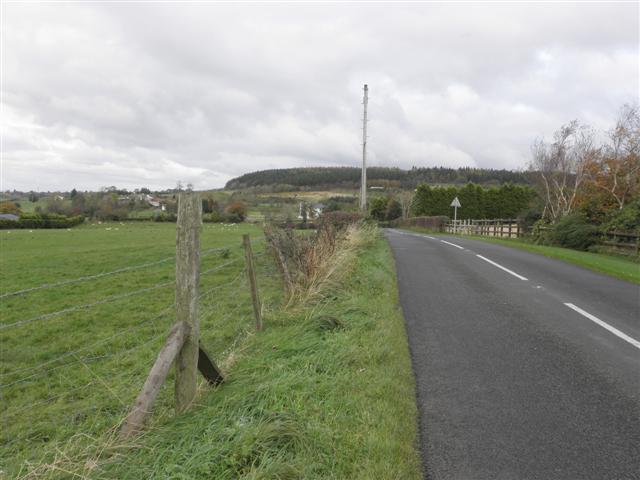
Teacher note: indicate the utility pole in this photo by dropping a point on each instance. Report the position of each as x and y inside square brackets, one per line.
[363, 186]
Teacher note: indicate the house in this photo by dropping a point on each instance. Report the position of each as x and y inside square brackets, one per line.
[313, 211]
[9, 216]
[155, 202]
[317, 209]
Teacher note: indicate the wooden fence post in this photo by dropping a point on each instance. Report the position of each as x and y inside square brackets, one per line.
[187, 282]
[158, 374]
[251, 272]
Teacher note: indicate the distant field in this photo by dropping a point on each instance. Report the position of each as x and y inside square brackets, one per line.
[74, 356]
[313, 196]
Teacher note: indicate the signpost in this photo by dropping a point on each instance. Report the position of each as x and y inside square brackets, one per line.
[455, 204]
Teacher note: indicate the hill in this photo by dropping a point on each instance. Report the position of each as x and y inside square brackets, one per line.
[349, 177]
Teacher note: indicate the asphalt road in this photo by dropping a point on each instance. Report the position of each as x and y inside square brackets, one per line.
[512, 382]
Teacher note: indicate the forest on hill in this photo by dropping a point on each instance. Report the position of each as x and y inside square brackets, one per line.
[289, 179]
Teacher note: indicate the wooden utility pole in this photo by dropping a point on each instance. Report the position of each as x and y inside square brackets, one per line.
[363, 185]
[251, 272]
[187, 282]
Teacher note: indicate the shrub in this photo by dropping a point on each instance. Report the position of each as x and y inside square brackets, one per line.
[541, 232]
[165, 217]
[394, 210]
[310, 262]
[339, 219]
[10, 207]
[236, 212]
[573, 231]
[624, 220]
[378, 208]
[213, 217]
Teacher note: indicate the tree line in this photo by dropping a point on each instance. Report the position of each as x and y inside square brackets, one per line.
[291, 179]
[506, 201]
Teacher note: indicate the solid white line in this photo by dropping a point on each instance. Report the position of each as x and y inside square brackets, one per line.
[502, 268]
[452, 244]
[613, 330]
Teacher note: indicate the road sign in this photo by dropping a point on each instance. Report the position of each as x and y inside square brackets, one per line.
[455, 204]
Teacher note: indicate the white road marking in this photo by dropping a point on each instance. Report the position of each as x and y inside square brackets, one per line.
[605, 325]
[502, 268]
[452, 244]
[432, 238]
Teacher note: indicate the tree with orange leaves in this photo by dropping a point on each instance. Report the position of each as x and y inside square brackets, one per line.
[615, 171]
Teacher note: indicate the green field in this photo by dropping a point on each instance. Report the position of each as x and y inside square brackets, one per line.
[325, 392]
[68, 378]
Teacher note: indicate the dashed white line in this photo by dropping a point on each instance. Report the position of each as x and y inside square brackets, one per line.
[452, 244]
[502, 268]
[432, 238]
[605, 325]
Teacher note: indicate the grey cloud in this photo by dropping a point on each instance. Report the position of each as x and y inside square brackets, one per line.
[142, 94]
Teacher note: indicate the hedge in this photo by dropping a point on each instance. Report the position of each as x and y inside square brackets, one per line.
[41, 221]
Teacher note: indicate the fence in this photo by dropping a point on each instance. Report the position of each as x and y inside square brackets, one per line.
[622, 242]
[76, 351]
[508, 228]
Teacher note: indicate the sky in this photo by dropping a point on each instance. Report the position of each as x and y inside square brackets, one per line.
[134, 95]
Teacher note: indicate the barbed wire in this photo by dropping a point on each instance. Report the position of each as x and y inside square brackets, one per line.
[85, 279]
[218, 287]
[10, 414]
[75, 308]
[206, 315]
[204, 253]
[100, 342]
[220, 267]
[160, 314]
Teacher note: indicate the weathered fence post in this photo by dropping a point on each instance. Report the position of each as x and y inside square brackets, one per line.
[251, 272]
[158, 374]
[187, 282]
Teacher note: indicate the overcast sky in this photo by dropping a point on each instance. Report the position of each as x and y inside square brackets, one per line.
[146, 94]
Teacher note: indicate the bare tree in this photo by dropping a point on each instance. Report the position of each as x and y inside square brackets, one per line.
[561, 167]
[405, 198]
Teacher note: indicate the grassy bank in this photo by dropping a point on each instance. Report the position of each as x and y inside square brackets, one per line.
[326, 391]
[614, 265]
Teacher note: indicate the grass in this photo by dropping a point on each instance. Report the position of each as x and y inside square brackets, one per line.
[326, 391]
[614, 265]
[78, 372]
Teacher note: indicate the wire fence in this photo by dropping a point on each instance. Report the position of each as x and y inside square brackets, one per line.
[78, 368]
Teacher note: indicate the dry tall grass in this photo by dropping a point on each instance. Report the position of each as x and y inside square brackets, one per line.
[310, 264]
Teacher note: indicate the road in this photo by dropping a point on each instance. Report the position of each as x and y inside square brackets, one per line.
[526, 367]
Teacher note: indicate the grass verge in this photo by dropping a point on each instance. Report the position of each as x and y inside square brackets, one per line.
[614, 265]
[325, 392]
